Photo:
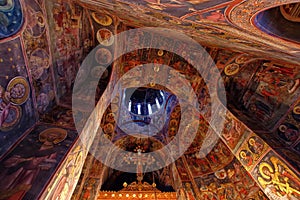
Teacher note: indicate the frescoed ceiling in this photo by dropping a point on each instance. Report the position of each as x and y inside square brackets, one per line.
[255, 45]
[225, 24]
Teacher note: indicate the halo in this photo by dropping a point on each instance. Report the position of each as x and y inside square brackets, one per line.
[101, 37]
[14, 116]
[61, 133]
[251, 141]
[231, 69]
[102, 19]
[282, 128]
[160, 52]
[296, 110]
[242, 59]
[243, 154]
[18, 80]
[99, 71]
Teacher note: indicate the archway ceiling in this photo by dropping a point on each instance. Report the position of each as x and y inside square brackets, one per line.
[222, 23]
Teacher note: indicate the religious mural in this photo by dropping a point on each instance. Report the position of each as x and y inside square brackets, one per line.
[11, 18]
[233, 131]
[60, 116]
[69, 171]
[209, 16]
[179, 8]
[231, 182]
[264, 90]
[209, 162]
[262, 94]
[209, 22]
[33, 161]
[251, 151]
[285, 139]
[16, 95]
[36, 45]
[72, 33]
[272, 20]
[276, 178]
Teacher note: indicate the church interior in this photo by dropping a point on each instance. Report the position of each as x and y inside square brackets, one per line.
[132, 132]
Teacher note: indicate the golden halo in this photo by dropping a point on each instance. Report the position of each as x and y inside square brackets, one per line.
[41, 23]
[110, 117]
[99, 70]
[105, 37]
[282, 128]
[108, 128]
[231, 69]
[242, 59]
[14, 82]
[61, 134]
[102, 19]
[160, 52]
[296, 110]
[243, 154]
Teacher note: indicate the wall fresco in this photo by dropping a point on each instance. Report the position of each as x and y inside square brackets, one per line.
[251, 151]
[34, 160]
[271, 21]
[230, 182]
[182, 170]
[241, 15]
[286, 138]
[265, 90]
[60, 116]
[212, 16]
[68, 174]
[16, 102]
[72, 33]
[36, 45]
[216, 159]
[276, 178]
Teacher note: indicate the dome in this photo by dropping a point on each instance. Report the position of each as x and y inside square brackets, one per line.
[144, 101]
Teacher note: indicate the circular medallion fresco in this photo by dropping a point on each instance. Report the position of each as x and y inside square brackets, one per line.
[103, 56]
[18, 89]
[11, 18]
[105, 37]
[231, 69]
[102, 19]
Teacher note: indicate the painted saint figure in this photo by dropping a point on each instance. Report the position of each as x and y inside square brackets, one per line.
[20, 172]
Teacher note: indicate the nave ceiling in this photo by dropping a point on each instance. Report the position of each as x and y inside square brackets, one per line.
[258, 62]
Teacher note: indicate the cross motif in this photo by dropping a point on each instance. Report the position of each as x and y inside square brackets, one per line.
[139, 160]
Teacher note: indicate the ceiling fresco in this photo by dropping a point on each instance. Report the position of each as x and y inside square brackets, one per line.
[11, 18]
[256, 88]
[42, 47]
[225, 24]
[273, 22]
[180, 8]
